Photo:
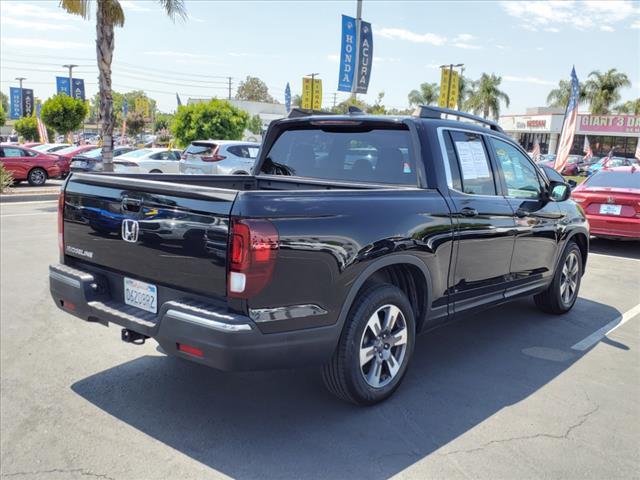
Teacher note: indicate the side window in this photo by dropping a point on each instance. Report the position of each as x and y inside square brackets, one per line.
[253, 152]
[157, 156]
[10, 152]
[452, 167]
[234, 151]
[475, 170]
[519, 173]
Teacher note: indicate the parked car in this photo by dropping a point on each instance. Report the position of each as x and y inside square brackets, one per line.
[31, 144]
[51, 147]
[570, 168]
[148, 160]
[66, 154]
[584, 166]
[611, 200]
[325, 255]
[223, 157]
[611, 163]
[29, 164]
[91, 161]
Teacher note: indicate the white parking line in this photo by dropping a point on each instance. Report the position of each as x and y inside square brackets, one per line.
[8, 204]
[604, 255]
[28, 214]
[599, 334]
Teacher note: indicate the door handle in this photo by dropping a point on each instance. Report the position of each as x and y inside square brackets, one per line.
[469, 212]
[521, 213]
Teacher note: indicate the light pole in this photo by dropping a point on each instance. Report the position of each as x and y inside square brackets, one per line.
[70, 67]
[313, 78]
[451, 66]
[21, 79]
[358, 21]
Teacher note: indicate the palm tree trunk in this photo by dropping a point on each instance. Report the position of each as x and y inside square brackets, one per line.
[104, 46]
[485, 113]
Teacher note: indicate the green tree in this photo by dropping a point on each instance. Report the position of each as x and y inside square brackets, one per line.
[427, 94]
[253, 89]
[631, 107]
[109, 14]
[27, 127]
[559, 97]
[162, 121]
[296, 100]
[343, 107]
[63, 113]
[4, 102]
[485, 96]
[216, 119]
[378, 108]
[465, 87]
[255, 125]
[3, 116]
[603, 89]
[135, 123]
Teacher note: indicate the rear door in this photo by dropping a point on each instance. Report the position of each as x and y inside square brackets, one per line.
[485, 223]
[181, 231]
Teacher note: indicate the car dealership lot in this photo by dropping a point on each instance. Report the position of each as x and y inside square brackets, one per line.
[508, 393]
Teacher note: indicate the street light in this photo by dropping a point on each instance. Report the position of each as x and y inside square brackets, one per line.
[70, 67]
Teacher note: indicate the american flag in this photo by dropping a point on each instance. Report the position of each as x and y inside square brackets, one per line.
[535, 153]
[42, 129]
[588, 153]
[569, 125]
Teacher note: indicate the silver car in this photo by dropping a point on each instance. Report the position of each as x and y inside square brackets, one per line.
[221, 157]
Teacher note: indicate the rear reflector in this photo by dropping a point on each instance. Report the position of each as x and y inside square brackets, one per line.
[190, 350]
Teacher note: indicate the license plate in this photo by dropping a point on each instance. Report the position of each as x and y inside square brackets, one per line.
[141, 295]
[610, 209]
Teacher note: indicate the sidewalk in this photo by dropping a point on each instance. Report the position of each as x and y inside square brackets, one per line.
[26, 193]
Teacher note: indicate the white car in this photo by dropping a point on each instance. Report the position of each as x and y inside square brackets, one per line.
[148, 160]
[51, 147]
[222, 157]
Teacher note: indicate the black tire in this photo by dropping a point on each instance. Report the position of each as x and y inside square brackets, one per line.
[37, 177]
[155, 171]
[552, 299]
[343, 375]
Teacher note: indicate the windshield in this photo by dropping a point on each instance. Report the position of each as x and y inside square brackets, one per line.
[380, 155]
[614, 180]
[70, 149]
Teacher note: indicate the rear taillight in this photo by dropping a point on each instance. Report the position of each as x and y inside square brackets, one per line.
[214, 157]
[252, 256]
[61, 222]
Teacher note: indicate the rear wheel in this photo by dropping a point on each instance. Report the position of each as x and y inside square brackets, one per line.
[375, 347]
[37, 177]
[562, 294]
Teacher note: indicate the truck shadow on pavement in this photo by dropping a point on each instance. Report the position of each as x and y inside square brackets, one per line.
[284, 424]
[616, 248]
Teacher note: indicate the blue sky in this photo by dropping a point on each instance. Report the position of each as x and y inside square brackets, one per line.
[530, 44]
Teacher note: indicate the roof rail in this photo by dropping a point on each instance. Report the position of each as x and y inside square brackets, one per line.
[428, 111]
[303, 112]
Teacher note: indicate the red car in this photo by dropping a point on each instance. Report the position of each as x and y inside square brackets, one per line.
[611, 201]
[28, 164]
[66, 154]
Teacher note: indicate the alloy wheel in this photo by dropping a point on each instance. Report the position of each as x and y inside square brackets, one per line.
[383, 346]
[569, 278]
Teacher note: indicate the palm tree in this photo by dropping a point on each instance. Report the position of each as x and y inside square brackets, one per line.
[632, 107]
[559, 97]
[486, 95]
[109, 14]
[427, 95]
[603, 89]
[465, 85]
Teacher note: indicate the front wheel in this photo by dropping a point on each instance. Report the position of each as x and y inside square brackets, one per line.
[37, 177]
[562, 294]
[375, 347]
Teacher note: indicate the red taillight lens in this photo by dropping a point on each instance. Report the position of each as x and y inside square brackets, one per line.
[190, 350]
[61, 223]
[214, 157]
[254, 248]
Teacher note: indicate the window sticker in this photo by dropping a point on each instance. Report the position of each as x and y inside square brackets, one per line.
[473, 160]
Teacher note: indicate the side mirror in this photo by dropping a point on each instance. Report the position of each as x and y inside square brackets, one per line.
[572, 183]
[559, 191]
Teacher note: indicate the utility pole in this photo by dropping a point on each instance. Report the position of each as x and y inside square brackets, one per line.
[20, 79]
[70, 67]
[313, 78]
[358, 21]
[229, 78]
[334, 99]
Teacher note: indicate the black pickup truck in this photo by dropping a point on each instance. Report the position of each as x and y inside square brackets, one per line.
[353, 234]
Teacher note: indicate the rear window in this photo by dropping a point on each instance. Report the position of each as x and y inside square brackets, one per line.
[615, 180]
[195, 149]
[371, 155]
[136, 153]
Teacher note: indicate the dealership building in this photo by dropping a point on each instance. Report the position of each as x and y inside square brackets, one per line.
[604, 132]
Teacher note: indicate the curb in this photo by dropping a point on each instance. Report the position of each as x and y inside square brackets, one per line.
[34, 197]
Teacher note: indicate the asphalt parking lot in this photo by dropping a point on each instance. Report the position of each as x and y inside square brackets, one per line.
[509, 393]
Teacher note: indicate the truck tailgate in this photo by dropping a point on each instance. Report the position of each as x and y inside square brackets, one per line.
[164, 233]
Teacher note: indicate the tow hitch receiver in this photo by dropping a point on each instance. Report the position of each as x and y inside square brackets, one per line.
[129, 336]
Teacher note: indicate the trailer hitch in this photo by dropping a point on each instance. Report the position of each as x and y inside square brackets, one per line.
[129, 336]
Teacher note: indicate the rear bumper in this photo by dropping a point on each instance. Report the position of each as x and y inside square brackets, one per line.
[614, 227]
[228, 341]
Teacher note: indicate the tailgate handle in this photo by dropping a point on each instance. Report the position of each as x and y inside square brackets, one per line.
[131, 204]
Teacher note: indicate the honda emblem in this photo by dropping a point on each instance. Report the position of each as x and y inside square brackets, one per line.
[130, 230]
[610, 200]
